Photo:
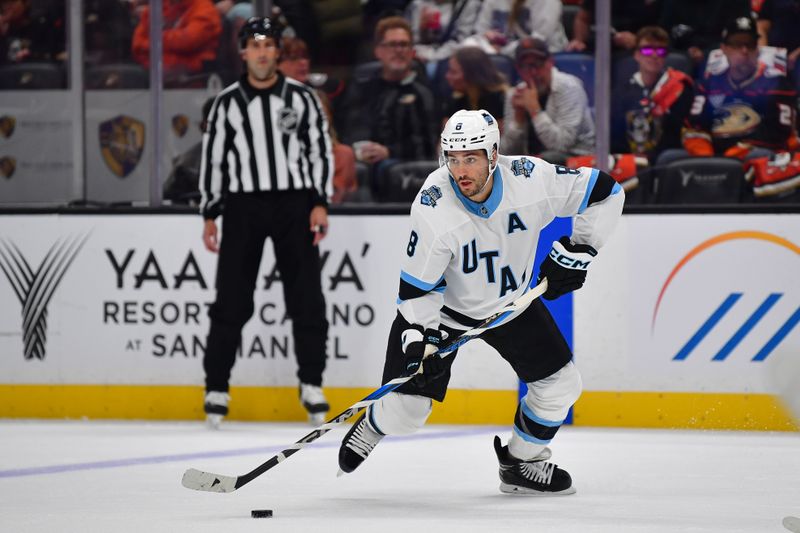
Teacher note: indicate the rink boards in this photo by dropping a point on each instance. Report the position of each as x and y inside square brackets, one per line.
[686, 321]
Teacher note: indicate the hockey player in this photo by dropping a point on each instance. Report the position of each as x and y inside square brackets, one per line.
[474, 229]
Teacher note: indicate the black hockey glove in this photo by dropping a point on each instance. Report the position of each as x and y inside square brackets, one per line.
[565, 267]
[415, 345]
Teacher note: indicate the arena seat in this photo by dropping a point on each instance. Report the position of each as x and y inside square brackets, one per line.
[401, 182]
[580, 65]
[699, 180]
[25, 76]
[117, 76]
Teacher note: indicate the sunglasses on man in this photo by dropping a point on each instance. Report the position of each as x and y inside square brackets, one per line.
[660, 51]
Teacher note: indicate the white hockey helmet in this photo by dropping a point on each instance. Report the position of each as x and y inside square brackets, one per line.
[471, 130]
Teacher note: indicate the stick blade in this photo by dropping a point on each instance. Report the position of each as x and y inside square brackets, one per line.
[206, 481]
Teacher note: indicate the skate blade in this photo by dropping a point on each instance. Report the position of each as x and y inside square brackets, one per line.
[524, 491]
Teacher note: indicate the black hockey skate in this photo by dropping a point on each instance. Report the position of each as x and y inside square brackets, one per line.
[216, 408]
[357, 445]
[535, 477]
[313, 400]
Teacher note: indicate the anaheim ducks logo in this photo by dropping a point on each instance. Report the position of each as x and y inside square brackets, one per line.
[7, 167]
[180, 125]
[122, 144]
[7, 125]
[735, 120]
[644, 131]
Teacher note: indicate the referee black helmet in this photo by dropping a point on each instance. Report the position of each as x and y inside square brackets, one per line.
[260, 27]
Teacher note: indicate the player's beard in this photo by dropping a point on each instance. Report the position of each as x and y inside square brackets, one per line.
[475, 186]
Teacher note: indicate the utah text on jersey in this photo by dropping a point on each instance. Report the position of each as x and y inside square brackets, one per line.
[469, 259]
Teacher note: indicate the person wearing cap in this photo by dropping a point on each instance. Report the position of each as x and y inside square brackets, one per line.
[746, 109]
[695, 25]
[267, 169]
[547, 113]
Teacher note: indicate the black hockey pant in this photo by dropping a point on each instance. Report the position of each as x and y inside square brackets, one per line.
[248, 219]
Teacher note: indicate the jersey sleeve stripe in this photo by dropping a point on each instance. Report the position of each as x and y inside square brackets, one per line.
[408, 291]
[589, 189]
[418, 283]
[604, 186]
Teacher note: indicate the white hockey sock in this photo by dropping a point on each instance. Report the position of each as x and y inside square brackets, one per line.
[399, 414]
[547, 403]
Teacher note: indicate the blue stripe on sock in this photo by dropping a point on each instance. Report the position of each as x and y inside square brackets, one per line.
[529, 414]
[530, 438]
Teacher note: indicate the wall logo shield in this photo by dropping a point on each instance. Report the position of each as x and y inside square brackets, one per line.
[121, 144]
[7, 167]
[7, 125]
[180, 125]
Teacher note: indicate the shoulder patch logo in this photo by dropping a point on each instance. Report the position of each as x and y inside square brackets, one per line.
[522, 166]
[429, 196]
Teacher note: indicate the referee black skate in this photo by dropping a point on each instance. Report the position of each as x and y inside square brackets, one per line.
[267, 169]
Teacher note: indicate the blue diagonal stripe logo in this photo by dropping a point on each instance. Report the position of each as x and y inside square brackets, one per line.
[35, 288]
[743, 330]
[709, 324]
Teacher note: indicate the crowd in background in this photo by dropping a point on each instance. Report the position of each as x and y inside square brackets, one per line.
[690, 78]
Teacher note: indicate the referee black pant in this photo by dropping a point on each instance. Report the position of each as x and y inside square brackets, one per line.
[248, 219]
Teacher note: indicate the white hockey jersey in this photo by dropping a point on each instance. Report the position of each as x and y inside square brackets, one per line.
[467, 260]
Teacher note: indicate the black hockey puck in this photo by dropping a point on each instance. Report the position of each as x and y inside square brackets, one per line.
[261, 513]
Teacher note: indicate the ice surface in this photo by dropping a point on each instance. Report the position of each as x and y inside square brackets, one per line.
[125, 477]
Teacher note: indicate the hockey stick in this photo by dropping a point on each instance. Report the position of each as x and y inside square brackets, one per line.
[206, 481]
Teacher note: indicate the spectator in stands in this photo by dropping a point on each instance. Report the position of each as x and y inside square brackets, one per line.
[108, 30]
[695, 25]
[548, 112]
[778, 23]
[438, 26]
[181, 186]
[391, 113]
[747, 109]
[32, 30]
[295, 63]
[502, 23]
[190, 37]
[627, 17]
[650, 108]
[476, 84]
[234, 9]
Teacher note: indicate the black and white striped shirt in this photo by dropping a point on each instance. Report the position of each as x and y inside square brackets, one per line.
[261, 140]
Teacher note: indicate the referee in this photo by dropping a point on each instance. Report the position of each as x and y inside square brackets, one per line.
[267, 168]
